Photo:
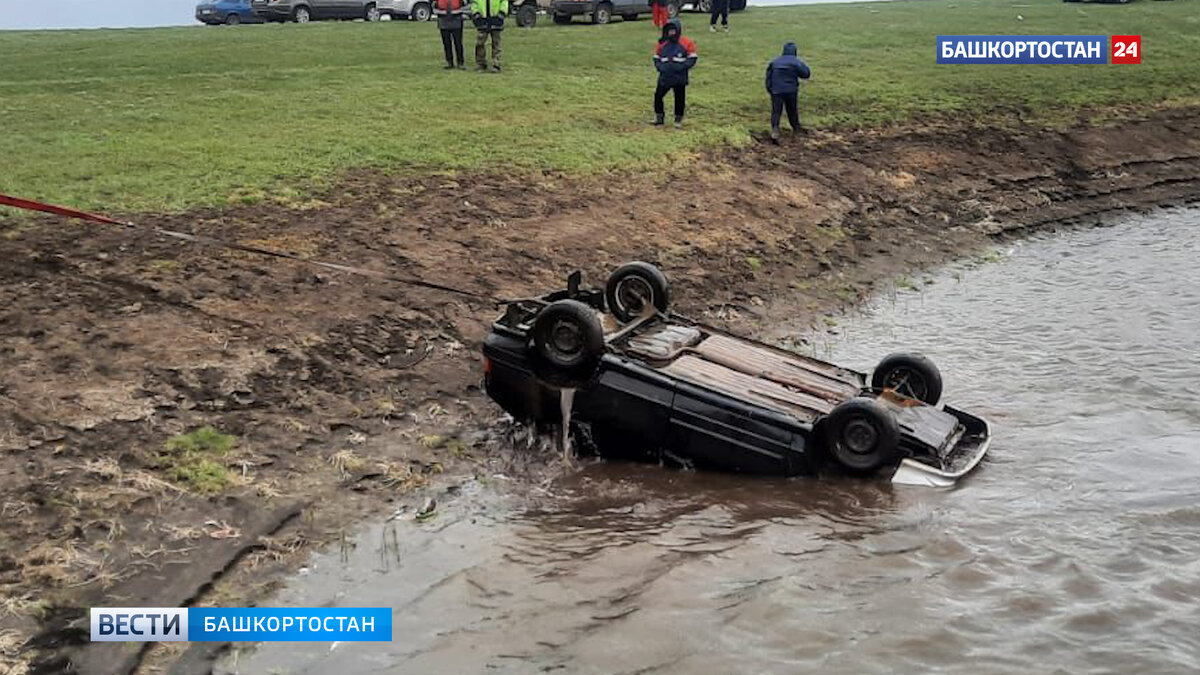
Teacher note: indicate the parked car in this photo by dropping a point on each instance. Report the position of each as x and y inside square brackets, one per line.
[601, 11]
[303, 11]
[653, 384]
[415, 10]
[230, 12]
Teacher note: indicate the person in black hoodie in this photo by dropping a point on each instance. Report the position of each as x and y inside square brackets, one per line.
[450, 23]
[674, 57]
[783, 84]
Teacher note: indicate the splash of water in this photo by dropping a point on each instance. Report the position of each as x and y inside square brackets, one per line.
[566, 399]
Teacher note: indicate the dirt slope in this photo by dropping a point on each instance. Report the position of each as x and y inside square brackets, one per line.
[345, 393]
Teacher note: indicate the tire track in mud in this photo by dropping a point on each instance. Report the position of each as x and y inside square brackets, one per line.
[355, 393]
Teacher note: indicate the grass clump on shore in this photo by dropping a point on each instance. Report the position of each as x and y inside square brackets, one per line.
[193, 460]
[173, 118]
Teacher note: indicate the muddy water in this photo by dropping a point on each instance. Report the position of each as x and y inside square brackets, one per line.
[1074, 549]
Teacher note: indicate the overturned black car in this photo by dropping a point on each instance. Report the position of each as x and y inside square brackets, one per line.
[654, 384]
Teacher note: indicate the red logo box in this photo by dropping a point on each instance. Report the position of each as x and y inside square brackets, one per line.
[1127, 49]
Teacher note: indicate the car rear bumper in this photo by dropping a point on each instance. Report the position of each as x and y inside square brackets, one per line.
[966, 453]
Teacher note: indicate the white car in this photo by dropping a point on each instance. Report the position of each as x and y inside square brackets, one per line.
[415, 10]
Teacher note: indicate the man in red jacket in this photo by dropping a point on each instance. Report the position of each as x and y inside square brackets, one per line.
[658, 9]
[450, 22]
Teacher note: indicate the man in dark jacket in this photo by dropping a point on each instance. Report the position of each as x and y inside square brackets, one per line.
[450, 23]
[674, 57]
[783, 84]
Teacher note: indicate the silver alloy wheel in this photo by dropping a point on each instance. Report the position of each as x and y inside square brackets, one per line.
[372, 13]
[302, 15]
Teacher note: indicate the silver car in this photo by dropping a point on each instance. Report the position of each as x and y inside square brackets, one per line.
[415, 10]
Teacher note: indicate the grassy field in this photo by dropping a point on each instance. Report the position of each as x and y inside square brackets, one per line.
[172, 118]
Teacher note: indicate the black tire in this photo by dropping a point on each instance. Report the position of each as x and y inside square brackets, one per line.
[603, 14]
[629, 17]
[568, 342]
[631, 285]
[672, 10]
[420, 12]
[371, 12]
[302, 14]
[527, 15]
[562, 19]
[704, 6]
[232, 19]
[910, 375]
[862, 436]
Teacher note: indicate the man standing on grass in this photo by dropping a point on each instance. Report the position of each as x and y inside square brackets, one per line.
[658, 10]
[450, 22]
[488, 16]
[783, 84]
[674, 57]
[719, 8]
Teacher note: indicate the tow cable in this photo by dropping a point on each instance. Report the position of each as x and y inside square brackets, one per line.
[66, 212]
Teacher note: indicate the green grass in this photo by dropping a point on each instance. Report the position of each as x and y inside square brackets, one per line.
[172, 118]
[194, 459]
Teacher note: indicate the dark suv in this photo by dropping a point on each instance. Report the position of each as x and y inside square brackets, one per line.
[601, 11]
[303, 11]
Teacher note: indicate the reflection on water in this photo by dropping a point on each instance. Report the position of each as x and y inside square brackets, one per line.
[1074, 548]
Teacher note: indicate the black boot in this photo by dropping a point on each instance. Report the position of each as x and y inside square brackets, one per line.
[658, 119]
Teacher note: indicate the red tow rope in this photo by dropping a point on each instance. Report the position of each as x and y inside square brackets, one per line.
[30, 205]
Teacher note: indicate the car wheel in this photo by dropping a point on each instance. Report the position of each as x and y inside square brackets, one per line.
[527, 15]
[301, 14]
[910, 375]
[603, 14]
[568, 342]
[372, 13]
[232, 19]
[672, 10]
[629, 17]
[633, 287]
[562, 19]
[704, 6]
[862, 435]
[420, 12]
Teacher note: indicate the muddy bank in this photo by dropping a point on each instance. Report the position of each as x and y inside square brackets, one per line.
[345, 396]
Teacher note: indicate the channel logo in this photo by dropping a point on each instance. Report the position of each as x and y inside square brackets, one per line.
[1037, 49]
[241, 624]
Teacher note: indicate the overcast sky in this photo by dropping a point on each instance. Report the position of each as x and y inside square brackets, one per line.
[95, 13]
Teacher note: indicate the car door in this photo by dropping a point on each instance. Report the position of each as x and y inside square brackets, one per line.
[635, 7]
[713, 429]
[331, 9]
[628, 407]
